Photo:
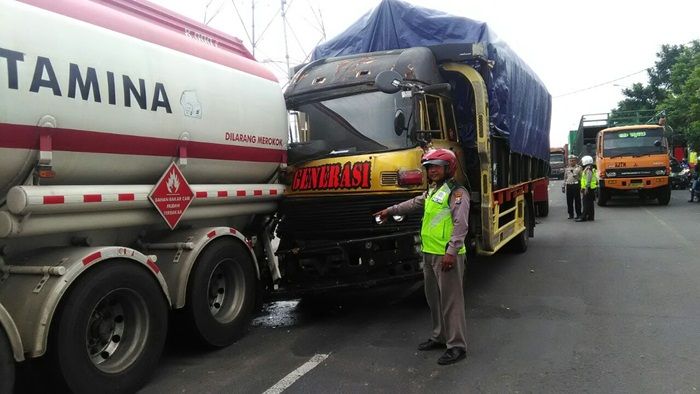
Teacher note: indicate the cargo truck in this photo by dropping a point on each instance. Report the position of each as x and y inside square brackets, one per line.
[582, 140]
[138, 161]
[633, 159]
[631, 152]
[557, 162]
[368, 106]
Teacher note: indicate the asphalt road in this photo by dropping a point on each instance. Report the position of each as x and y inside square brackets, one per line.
[611, 306]
[602, 307]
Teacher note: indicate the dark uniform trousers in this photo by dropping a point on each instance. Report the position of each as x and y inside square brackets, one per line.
[444, 291]
[589, 205]
[573, 199]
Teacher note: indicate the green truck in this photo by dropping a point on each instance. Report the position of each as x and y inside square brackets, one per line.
[582, 140]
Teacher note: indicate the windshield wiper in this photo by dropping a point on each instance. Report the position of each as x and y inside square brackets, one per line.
[647, 154]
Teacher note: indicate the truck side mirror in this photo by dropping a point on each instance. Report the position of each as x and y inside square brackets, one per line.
[388, 81]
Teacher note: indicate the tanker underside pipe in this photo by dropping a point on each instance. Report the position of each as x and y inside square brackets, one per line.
[14, 226]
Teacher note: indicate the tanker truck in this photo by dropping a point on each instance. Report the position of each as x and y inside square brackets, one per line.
[138, 161]
[367, 107]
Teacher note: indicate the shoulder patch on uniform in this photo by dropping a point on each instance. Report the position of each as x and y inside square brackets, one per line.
[458, 197]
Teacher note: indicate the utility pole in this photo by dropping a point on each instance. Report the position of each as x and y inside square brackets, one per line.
[284, 29]
[252, 16]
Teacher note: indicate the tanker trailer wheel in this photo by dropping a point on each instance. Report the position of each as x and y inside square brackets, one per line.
[110, 330]
[7, 364]
[221, 294]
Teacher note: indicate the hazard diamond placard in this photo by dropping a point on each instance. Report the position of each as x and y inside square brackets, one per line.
[172, 195]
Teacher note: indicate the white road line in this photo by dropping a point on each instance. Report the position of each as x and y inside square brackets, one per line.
[682, 239]
[293, 376]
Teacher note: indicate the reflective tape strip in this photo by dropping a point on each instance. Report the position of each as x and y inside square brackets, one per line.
[439, 217]
[92, 198]
[126, 197]
[91, 258]
[54, 199]
[153, 265]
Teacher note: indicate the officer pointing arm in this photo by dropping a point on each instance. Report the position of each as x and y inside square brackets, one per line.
[444, 226]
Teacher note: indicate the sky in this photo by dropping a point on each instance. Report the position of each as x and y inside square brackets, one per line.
[585, 52]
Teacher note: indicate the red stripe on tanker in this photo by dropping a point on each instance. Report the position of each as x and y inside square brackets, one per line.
[119, 109]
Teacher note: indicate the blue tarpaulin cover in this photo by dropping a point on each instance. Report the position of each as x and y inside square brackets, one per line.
[519, 103]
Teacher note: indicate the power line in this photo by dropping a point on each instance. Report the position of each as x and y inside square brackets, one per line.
[603, 84]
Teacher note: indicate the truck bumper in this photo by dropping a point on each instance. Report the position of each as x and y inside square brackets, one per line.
[347, 264]
[635, 183]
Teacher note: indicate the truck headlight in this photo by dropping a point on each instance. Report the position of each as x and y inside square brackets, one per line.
[398, 218]
[660, 172]
[611, 173]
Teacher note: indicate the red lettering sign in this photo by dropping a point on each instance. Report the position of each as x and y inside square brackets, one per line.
[333, 176]
[172, 195]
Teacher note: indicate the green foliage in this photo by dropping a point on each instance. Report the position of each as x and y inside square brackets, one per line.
[683, 101]
[674, 87]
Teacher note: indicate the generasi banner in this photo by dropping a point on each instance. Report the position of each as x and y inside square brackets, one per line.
[333, 176]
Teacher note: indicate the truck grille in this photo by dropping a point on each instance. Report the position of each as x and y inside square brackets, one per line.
[390, 178]
[341, 217]
[633, 172]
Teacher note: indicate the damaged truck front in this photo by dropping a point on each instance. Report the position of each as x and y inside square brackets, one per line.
[364, 118]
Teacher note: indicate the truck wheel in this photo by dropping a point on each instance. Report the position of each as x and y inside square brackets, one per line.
[603, 197]
[7, 364]
[110, 330]
[221, 294]
[542, 208]
[664, 195]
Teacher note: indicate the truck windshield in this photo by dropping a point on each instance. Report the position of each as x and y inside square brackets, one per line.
[366, 122]
[556, 158]
[633, 142]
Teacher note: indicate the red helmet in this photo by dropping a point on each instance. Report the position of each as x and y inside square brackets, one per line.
[441, 157]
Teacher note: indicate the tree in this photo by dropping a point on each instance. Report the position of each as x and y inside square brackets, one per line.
[674, 88]
[683, 97]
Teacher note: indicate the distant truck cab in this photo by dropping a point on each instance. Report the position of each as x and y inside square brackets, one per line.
[557, 162]
[633, 159]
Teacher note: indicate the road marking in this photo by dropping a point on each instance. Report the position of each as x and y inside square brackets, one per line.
[296, 374]
[672, 230]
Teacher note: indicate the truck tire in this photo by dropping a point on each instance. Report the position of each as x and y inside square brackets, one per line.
[603, 197]
[664, 195]
[110, 330]
[542, 208]
[7, 364]
[221, 294]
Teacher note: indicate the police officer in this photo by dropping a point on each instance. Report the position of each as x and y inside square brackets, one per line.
[444, 226]
[572, 181]
[589, 182]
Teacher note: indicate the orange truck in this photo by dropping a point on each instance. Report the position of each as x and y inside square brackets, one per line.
[633, 159]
